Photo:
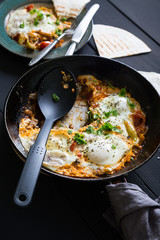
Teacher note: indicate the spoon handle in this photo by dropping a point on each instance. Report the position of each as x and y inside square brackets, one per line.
[32, 167]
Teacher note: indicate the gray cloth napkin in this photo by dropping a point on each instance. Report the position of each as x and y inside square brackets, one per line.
[133, 213]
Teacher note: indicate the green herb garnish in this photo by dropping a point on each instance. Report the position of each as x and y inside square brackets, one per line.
[58, 32]
[110, 85]
[63, 19]
[22, 25]
[48, 15]
[55, 97]
[93, 116]
[33, 11]
[122, 92]
[116, 129]
[113, 112]
[130, 103]
[90, 129]
[108, 127]
[113, 147]
[79, 139]
[57, 22]
[70, 131]
[40, 16]
[36, 22]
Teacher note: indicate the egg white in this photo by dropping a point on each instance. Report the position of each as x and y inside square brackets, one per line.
[19, 16]
[57, 154]
[120, 104]
[76, 118]
[104, 150]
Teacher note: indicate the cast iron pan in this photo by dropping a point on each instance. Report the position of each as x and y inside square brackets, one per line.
[118, 74]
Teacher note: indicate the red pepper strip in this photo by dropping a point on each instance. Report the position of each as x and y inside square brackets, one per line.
[73, 146]
[29, 7]
[138, 119]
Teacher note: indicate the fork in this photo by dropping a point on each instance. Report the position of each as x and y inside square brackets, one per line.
[44, 52]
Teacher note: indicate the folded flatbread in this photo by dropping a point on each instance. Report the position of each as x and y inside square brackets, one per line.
[114, 42]
[69, 8]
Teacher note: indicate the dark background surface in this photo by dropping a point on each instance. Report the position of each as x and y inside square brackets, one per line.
[64, 209]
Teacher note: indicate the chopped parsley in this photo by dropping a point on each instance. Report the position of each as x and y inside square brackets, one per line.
[116, 129]
[48, 15]
[113, 147]
[70, 131]
[36, 22]
[90, 129]
[93, 116]
[40, 16]
[107, 135]
[55, 97]
[58, 32]
[79, 138]
[57, 22]
[130, 103]
[108, 127]
[110, 85]
[63, 19]
[22, 25]
[122, 92]
[33, 11]
[113, 112]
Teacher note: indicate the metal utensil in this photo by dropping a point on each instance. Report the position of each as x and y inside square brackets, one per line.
[52, 110]
[48, 48]
[81, 29]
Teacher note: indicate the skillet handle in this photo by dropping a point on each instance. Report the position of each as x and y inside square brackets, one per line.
[32, 167]
[119, 179]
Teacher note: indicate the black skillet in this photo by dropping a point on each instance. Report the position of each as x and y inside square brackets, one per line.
[118, 74]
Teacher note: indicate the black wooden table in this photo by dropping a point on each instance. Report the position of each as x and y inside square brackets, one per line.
[62, 209]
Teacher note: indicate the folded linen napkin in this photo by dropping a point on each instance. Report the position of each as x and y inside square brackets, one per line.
[133, 213]
[153, 78]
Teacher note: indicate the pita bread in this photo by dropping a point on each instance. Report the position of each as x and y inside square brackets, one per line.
[114, 42]
[69, 8]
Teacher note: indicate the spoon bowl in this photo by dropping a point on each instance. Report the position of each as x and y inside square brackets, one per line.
[58, 84]
[56, 96]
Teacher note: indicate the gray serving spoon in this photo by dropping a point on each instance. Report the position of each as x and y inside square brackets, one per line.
[54, 101]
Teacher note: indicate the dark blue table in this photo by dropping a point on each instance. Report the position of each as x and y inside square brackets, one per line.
[62, 209]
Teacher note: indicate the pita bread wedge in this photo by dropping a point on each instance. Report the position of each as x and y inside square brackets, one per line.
[114, 42]
[69, 8]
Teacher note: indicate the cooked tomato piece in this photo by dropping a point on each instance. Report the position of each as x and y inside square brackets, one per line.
[73, 146]
[79, 154]
[138, 119]
[44, 44]
[29, 7]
